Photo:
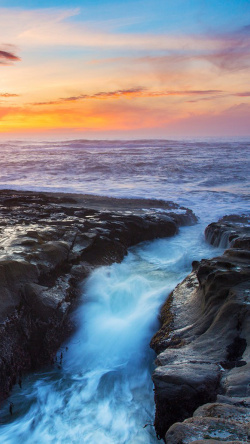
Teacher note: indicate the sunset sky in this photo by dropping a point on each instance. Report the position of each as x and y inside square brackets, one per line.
[129, 69]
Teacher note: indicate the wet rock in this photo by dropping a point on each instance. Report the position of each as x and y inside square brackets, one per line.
[213, 441]
[227, 229]
[45, 303]
[207, 429]
[48, 244]
[13, 274]
[203, 348]
[181, 388]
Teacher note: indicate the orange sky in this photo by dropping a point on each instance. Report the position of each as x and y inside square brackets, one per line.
[63, 75]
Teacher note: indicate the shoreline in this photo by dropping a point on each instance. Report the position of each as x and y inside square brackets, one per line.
[97, 202]
[50, 242]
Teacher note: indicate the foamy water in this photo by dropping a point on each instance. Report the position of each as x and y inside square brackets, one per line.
[103, 391]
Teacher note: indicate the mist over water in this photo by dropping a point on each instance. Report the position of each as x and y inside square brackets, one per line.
[102, 390]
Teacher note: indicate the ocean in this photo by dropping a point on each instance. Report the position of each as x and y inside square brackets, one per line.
[103, 392]
[197, 174]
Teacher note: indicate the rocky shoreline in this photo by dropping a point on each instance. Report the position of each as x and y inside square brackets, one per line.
[49, 242]
[203, 364]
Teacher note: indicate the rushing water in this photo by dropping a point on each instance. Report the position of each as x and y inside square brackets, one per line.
[101, 388]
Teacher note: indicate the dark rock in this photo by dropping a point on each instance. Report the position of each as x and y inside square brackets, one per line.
[200, 430]
[227, 230]
[203, 348]
[45, 303]
[13, 274]
[182, 388]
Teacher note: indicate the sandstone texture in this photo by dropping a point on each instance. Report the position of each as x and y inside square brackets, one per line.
[48, 244]
[202, 379]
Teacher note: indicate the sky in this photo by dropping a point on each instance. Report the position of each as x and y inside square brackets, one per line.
[125, 69]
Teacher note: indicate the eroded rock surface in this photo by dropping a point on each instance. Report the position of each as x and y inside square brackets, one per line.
[48, 244]
[203, 347]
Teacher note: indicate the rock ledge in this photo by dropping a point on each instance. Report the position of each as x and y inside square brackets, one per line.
[203, 347]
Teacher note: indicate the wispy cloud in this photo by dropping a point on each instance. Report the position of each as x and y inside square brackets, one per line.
[56, 28]
[7, 57]
[243, 94]
[131, 92]
[230, 59]
[128, 93]
[52, 27]
[234, 54]
[7, 95]
[215, 97]
[183, 93]
[204, 99]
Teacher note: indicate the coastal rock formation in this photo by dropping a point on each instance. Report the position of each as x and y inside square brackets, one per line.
[48, 244]
[203, 364]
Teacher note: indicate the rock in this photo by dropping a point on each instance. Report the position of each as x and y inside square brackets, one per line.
[180, 389]
[225, 411]
[213, 441]
[48, 244]
[203, 348]
[228, 228]
[199, 429]
[45, 303]
[13, 274]
[54, 253]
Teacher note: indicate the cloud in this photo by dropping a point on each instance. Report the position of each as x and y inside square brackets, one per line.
[228, 51]
[132, 92]
[6, 95]
[230, 59]
[242, 94]
[141, 73]
[184, 93]
[7, 57]
[204, 99]
[51, 102]
[242, 109]
[102, 95]
[230, 122]
[234, 54]
[215, 97]
[54, 27]
[129, 93]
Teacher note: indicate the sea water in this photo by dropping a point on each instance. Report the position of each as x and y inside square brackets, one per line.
[100, 389]
[211, 177]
